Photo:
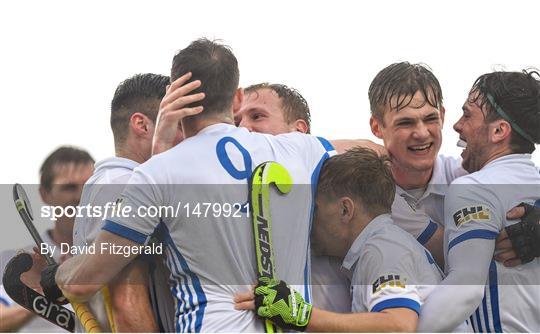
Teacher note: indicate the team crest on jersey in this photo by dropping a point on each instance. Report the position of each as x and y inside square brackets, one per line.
[388, 281]
[476, 213]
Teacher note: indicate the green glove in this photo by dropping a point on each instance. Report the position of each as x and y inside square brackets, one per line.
[284, 306]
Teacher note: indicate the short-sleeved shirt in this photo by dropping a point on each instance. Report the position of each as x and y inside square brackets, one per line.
[475, 208]
[212, 257]
[388, 268]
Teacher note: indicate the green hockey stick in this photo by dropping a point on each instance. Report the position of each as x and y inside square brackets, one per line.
[263, 176]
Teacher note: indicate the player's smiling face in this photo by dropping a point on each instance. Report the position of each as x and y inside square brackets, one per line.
[473, 134]
[261, 111]
[412, 135]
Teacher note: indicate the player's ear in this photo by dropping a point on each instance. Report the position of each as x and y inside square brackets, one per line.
[499, 131]
[140, 124]
[237, 99]
[301, 126]
[376, 126]
[346, 207]
[442, 112]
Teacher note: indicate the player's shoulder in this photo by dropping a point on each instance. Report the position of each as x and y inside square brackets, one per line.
[112, 170]
[447, 169]
[391, 240]
[382, 238]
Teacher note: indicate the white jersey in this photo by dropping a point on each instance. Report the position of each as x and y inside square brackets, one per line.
[330, 286]
[210, 248]
[475, 214]
[420, 217]
[388, 268]
[103, 187]
[35, 324]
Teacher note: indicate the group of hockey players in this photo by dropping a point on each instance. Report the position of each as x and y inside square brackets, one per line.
[370, 238]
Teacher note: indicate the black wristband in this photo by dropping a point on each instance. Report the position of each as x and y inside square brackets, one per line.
[50, 288]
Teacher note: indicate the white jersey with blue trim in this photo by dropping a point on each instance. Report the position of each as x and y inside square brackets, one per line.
[475, 211]
[213, 257]
[101, 190]
[389, 269]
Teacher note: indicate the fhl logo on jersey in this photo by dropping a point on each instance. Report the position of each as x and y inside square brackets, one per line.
[388, 281]
[477, 213]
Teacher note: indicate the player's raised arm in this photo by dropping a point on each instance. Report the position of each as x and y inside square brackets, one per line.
[342, 145]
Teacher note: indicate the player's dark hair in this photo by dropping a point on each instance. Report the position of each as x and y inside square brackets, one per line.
[394, 88]
[140, 93]
[517, 94]
[361, 174]
[293, 103]
[217, 68]
[60, 156]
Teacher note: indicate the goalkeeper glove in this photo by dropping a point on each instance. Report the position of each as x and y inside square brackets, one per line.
[284, 306]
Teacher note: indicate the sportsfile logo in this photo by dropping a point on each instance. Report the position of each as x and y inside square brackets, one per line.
[476, 213]
[388, 281]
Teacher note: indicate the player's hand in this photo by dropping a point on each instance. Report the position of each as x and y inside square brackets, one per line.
[284, 306]
[172, 110]
[523, 244]
[245, 300]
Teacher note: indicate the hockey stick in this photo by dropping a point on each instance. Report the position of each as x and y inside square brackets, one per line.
[22, 203]
[32, 300]
[264, 175]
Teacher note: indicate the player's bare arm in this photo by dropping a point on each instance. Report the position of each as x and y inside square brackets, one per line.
[13, 317]
[80, 277]
[130, 287]
[342, 145]
[388, 320]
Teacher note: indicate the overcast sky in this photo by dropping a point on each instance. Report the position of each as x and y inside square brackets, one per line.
[62, 60]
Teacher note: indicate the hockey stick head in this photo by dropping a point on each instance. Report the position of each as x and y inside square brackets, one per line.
[18, 265]
[21, 201]
[31, 299]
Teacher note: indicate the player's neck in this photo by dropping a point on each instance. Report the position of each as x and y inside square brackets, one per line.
[411, 179]
[131, 155]
[194, 125]
[496, 154]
